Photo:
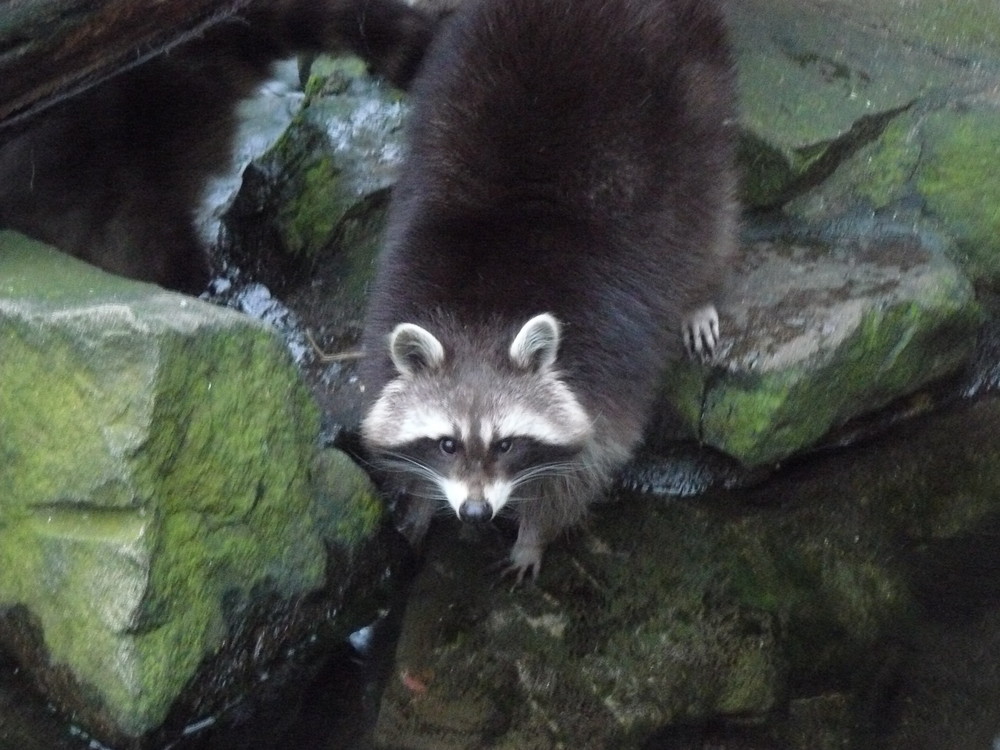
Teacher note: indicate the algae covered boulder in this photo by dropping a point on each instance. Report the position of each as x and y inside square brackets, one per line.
[155, 485]
[322, 187]
[861, 108]
[620, 636]
[821, 331]
[936, 164]
[660, 613]
[819, 82]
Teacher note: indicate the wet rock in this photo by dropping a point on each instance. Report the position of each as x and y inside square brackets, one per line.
[587, 657]
[796, 603]
[931, 167]
[163, 515]
[819, 81]
[818, 332]
[314, 194]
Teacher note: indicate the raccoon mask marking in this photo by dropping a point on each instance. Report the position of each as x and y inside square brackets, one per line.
[471, 432]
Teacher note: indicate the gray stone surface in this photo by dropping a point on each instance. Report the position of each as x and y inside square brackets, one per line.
[817, 333]
[155, 483]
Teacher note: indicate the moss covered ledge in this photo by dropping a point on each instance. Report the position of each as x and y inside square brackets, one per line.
[156, 460]
[816, 333]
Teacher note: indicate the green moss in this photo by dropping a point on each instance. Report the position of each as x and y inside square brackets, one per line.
[212, 494]
[312, 205]
[135, 426]
[35, 271]
[877, 175]
[347, 505]
[332, 164]
[961, 185]
[763, 417]
[882, 170]
[748, 417]
[833, 593]
[331, 76]
[218, 530]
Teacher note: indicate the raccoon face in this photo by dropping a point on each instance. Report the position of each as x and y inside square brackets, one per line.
[471, 432]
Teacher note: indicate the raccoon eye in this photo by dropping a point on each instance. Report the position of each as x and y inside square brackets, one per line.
[448, 445]
[505, 445]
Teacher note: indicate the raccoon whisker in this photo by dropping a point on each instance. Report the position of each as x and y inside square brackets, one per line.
[434, 497]
[562, 469]
[403, 464]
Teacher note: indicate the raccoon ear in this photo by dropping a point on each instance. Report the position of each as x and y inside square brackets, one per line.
[414, 349]
[536, 344]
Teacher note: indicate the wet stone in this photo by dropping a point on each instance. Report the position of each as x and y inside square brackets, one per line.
[820, 330]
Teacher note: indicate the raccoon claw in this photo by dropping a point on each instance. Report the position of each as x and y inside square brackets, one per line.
[701, 332]
[523, 561]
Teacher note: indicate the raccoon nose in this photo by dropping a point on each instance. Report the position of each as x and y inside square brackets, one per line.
[475, 511]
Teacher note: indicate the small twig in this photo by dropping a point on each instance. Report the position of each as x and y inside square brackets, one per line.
[348, 356]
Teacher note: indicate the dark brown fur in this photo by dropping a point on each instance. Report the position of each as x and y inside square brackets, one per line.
[114, 175]
[572, 157]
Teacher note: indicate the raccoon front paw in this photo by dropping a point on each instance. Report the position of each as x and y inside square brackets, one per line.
[701, 332]
[524, 559]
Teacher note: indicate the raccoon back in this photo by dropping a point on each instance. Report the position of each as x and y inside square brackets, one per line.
[572, 157]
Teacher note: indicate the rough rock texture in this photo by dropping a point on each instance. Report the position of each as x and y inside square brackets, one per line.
[819, 332]
[798, 600]
[154, 484]
[319, 191]
[875, 107]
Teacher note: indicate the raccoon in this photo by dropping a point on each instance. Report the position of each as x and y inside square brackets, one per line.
[114, 175]
[567, 195]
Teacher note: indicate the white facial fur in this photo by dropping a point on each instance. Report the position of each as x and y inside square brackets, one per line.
[419, 403]
[456, 492]
[432, 398]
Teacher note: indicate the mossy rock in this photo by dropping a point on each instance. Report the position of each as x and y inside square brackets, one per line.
[814, 88]
[960, 185]
[816, 335]
[156, 481]
[322, 183]
[936, 165]
[741, 603]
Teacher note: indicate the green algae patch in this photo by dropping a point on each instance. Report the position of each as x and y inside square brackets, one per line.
[302, 202]
[883, 168]
[348, 507]
[825, 334]
[157, 476]
[814, 89]
[587, 657]
[876, 176]
[961, 185]
[835, 593]
[309, 216]
[891, 353]
[759, 420]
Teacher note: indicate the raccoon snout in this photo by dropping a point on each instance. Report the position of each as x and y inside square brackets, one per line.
[475, 511]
